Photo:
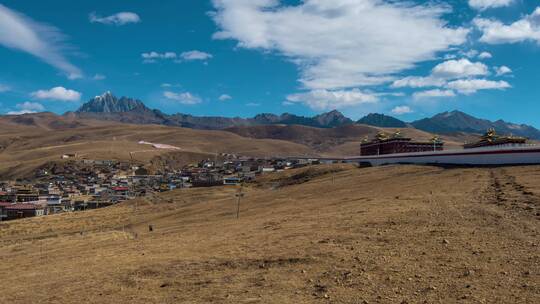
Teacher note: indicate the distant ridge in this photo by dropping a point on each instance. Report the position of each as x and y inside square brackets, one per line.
[381, 120]
[128, 110]
[457, 121]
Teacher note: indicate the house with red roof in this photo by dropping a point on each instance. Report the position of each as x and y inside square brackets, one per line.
[120, 193]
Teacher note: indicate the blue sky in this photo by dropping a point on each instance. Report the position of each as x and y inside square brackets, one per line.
[243, 57]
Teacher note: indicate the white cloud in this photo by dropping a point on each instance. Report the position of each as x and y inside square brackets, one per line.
[27, 107]
[400, 110]
[454, 76]
[30, 106]
[450, 56]
[43, 41]
[485, 4]
[287, 103]
[436, 93]
[183, 98]
[121, 18]
[496, 32]
[195, 55]
[485, 55]
[57, 93]
[4, 88]
[152, 57]
[418, 82]
[502, 70]
[470, 86]
[20, 112]
[453, 69]
[441, 73]
[342, 43]
[99, 77]
[470, 53]
[394, 94]
[170, 85]
[224, 97]
[329, 100]
[156, 55]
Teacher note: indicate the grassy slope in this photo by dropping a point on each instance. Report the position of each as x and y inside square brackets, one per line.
[29, 143]
[326, 235]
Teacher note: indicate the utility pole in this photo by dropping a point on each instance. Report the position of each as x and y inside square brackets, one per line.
[239, 196]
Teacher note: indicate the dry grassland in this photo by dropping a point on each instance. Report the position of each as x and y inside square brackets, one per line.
[395, 234]
[24, 148]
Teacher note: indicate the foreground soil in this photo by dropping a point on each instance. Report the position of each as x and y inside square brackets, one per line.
[396, 234]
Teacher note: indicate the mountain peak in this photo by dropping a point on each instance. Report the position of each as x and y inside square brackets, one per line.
[457, 121]
[266, 118]
[333, 118]
[105, 95]
[454, 113]
[108, 103]
[333, 113]
[381, 120]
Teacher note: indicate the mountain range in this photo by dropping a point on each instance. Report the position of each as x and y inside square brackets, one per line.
[129, 110]
[457, 121]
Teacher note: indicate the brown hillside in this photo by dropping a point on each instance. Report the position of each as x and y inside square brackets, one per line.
[339, 141]
[317, 138]
[396, 234]
[29, 141]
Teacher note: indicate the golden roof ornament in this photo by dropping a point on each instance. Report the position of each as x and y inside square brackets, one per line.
[397, 134]
[490, 135]
[381, 136]
[436, 139]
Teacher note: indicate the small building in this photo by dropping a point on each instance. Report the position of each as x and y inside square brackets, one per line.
[207, 180]
[54, 204]
[8, 197]
[69, 155]
[3, 212]
[141, 172]
[267, 169]
[119, 193]
[384, 144]
[232, 180]
[249, 176]
[19, 210]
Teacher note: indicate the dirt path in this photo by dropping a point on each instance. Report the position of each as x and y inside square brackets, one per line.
[512, 195]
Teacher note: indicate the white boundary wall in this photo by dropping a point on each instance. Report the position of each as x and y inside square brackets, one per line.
[511, 155]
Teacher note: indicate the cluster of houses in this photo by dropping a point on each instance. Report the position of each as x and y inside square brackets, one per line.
[89, 184]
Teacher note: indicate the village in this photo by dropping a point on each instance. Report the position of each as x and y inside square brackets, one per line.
[84, 184]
